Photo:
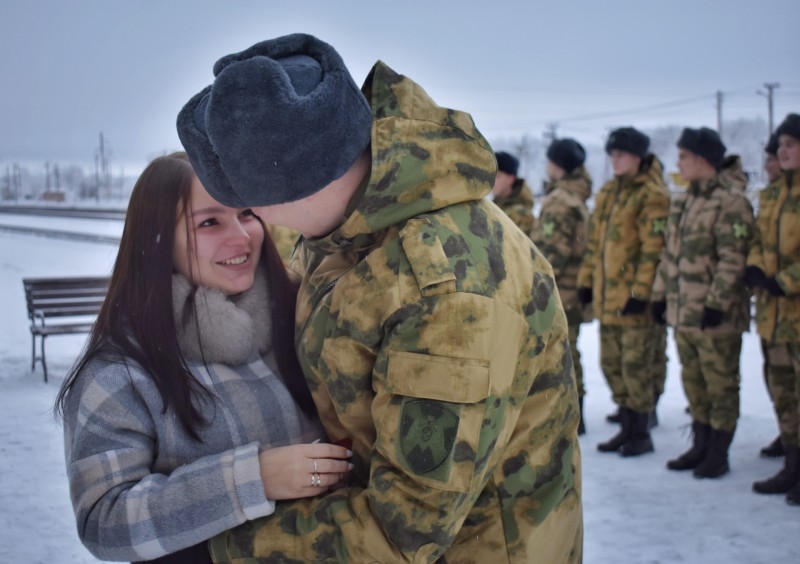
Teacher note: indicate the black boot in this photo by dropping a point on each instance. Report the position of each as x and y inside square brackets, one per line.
[773, 449]
[613, 444]
[639, 441]
[581, 426]
[613, 417]
[715, 463]
[784, 480]
[695, 455]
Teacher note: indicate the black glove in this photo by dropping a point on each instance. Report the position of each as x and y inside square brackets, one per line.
[754, 276]
[585, 296]
[771, 286]
[658, 311]
[634, 307]
[711, 318]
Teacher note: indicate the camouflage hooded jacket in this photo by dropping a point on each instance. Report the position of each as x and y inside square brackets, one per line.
[626, 235]
[776, 251]
[708, 233]
[433, 338]
[519, 206]
[562, 232]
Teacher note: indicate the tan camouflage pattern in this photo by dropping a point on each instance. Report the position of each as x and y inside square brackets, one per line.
[574, 331]
[432, 336]
[626, 358]
[783, 382]
[285, 240]
[710, 376]
[776, 250]
[562, 232]
[625, 241]
[519, 206]
[707, 237]
[660, 358]
[732, 174]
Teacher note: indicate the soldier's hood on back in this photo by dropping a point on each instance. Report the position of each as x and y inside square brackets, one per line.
[578, 183]
[424, 157]
[652, 170]
[732, 174]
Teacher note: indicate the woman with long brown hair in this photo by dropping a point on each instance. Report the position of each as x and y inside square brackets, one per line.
[187, 413]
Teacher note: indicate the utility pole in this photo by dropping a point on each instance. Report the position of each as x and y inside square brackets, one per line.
[719, 112]
[770, 86]
[550, 131]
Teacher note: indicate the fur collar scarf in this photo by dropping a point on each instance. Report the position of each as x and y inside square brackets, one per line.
[232, 329]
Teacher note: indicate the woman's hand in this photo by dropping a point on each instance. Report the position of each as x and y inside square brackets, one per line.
[304, 470]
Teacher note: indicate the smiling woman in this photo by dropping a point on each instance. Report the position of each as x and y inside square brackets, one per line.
[187, 414]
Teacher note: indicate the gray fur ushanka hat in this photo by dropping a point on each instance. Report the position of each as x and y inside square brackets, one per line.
[281, 121]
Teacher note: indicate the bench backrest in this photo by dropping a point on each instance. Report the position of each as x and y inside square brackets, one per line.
[65, 297]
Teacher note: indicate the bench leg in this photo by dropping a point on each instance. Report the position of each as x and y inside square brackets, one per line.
[44, 361]
[33, 352]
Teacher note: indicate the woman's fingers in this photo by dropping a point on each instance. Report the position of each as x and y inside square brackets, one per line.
[326, 450]
[329, 466]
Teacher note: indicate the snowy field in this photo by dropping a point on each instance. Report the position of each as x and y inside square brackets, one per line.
[635, 510]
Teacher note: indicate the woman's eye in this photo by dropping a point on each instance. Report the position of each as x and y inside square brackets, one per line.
[248, 213]
[208, 222]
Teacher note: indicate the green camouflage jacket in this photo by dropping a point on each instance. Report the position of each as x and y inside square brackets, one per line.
[626, 235]
[708, 233]
[732, 174]
[562, 231]
[776, 251]
[284, 238]
[519, 206]
[433, 338]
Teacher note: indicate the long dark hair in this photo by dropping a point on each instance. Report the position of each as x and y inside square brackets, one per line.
[136, 320]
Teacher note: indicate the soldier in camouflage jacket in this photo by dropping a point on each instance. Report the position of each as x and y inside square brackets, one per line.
[774, 270]
[625, 242]
[700, 286]
[562, 233]
[512, 193]
[430, 332]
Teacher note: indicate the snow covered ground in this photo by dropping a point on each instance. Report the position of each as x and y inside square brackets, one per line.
[635, 510]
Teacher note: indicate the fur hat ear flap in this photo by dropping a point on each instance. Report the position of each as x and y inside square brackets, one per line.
[282, 120]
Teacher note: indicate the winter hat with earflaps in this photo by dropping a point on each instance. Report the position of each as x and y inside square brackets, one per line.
[630, 140]
[705, 143]
[281, 120]
[790, 126]
[566, 153]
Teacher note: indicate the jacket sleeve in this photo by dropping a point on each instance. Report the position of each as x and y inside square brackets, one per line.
[125, 510]
[651, 223]
[788, 279]
[445, 411]
[586, 272]
[732, 232]
[557, 225]
[755, 254]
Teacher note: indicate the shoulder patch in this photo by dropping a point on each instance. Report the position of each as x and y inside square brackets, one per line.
[427, 258]
[740, 230]
[660, 226]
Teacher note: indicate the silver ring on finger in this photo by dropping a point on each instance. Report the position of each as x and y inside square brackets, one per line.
[315, 480]
[314, 460]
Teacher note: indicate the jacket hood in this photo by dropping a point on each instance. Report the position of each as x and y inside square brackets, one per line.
[578, 183]
[521, 194]
[424, 157]
[651, 170]
[732, 174]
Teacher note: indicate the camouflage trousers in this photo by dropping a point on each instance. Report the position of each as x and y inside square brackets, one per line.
[574, 331]
[710, 376]
[660, 358]
[782, 365]
[626, 357]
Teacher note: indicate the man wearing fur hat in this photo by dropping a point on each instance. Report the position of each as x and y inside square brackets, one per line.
[562, 233]
[512, 194]
[777, 363]
[616, 276]
[699, 291]
[773, 268]
[428, 325]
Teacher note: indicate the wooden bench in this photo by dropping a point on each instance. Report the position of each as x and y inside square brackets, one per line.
[62, 306]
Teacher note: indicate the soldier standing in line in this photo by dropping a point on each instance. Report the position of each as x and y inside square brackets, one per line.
[699, 291]
[428, 325]
[773, 268]
[625, 242]
[562, 233]
[777, 355]
[512, 194]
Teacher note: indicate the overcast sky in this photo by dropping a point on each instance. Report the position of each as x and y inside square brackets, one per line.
[71, 69]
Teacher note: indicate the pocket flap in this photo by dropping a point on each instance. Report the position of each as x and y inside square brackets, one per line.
[440, 378]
